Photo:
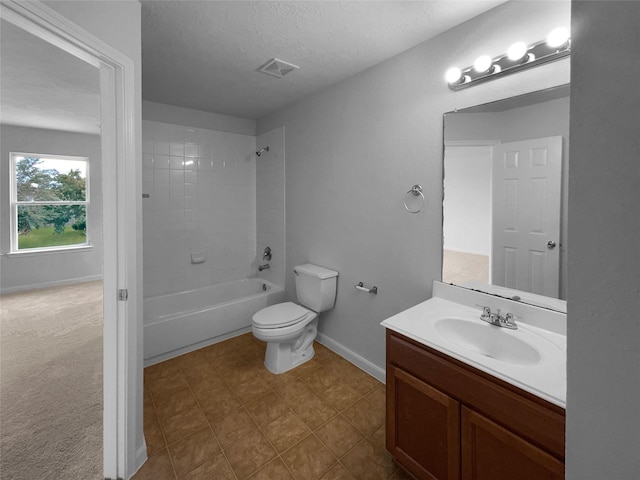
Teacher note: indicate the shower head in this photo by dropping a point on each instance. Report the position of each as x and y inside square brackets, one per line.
[262, 150]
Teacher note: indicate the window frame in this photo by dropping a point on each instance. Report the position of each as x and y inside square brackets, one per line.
[14, 204]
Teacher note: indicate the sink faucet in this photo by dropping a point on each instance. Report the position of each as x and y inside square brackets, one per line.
[263, 267]
[497, 319]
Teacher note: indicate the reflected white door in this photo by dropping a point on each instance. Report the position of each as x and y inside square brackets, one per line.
[526, 215]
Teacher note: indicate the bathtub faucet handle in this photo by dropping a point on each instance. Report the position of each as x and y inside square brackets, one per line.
[267, 254]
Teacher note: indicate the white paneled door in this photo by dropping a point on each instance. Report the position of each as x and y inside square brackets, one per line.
[526, 215]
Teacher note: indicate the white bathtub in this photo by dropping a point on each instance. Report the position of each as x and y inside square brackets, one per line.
[181, 322]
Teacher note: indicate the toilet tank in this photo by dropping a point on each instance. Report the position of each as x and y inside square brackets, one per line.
[316, 286]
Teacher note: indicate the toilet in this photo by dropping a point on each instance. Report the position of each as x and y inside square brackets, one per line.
[290, 329]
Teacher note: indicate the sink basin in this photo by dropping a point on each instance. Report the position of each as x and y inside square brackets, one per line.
[488, 340]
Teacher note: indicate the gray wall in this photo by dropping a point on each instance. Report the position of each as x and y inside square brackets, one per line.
[603, 419]
[32, 270]
[354, 149]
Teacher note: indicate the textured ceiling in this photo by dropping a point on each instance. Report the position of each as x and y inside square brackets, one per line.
[204, 54]
[42, 86]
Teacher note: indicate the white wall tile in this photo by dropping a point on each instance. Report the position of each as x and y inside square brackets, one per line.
[204, 196]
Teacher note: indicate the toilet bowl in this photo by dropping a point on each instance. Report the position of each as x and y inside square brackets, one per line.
[290, 329]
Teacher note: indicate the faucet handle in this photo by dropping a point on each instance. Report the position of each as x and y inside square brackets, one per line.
[486, 312]
[509, 322]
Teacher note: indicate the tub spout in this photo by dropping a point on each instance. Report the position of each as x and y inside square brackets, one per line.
[263, 267]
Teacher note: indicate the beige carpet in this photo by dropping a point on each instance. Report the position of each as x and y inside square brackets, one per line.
[51, 383]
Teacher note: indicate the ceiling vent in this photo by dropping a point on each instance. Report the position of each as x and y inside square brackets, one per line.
[277, 68]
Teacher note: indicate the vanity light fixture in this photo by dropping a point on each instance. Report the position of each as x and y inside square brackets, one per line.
[519, 57]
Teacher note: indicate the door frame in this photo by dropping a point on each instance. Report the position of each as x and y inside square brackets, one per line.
[122, 365]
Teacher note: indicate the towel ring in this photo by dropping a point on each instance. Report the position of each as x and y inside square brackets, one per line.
[414, 199]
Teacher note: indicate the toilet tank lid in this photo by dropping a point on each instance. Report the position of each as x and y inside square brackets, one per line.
[315, 271]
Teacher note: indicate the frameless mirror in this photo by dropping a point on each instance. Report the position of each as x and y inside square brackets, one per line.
[505, 197]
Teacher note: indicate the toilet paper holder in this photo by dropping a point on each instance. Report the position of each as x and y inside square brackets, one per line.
[360, 286]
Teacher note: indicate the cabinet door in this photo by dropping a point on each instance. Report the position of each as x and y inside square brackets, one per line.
[423, 427]
[489, 452]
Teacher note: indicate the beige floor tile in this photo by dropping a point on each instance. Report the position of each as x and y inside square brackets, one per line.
[275, 470]
[263, 422]
[339, 435]
[216, 469]
[206, 386]
[244, 373]
[267, 409]
[338, 472]
[153, 432]
[193, 451]
[357, 379]
[340, 396]
[233, 427]
[292, 390]
[312, 410]
[276, 381]
[321, 379]
[251, 390]
[165, 386]
[249, 454]
[378, 396]
[368, 462]
[286, 431]
[183, 424]
[158, 466]
[379, 437]
[364, 416]
[179, 401]
[219, 404]
[308, 459]
[307, 367]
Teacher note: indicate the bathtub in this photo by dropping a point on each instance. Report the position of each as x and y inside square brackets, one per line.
[181, 322]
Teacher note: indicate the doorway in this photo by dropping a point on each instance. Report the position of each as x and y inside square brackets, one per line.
[123, 444]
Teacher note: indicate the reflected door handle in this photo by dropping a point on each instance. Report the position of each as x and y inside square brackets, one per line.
[551, 244]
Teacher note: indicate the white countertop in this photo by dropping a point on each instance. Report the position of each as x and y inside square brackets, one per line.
[542, 329]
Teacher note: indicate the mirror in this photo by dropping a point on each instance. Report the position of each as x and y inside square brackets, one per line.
[505, 197]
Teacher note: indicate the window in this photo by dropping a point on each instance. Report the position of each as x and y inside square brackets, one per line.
[49, 201]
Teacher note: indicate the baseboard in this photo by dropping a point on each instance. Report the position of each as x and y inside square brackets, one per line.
[359, 361]
[141, 456]
[56, 283]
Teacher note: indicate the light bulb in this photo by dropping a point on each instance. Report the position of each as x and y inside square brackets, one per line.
[517, 51]
[482, 64]
[453, 75]
[557, 37]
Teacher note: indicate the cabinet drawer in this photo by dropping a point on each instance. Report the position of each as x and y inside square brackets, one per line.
[536, 420]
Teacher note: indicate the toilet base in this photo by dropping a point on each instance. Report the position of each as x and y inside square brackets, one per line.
[281, 357]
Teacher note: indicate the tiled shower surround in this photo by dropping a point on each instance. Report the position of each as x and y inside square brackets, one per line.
[199, 190]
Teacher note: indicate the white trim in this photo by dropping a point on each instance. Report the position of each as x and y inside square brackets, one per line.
[471, 143]
[56, 283]
[30, 252]
[359, 361]
[122, 372]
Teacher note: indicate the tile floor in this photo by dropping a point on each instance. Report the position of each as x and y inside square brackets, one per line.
[218, 413]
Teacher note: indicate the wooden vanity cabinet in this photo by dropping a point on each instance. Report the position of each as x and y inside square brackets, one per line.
[449, 421]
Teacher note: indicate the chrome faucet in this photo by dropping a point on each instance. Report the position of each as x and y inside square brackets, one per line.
[263, 267]
[497, 319]
[267, 254]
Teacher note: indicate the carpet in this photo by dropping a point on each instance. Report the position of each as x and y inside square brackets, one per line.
[51, 383]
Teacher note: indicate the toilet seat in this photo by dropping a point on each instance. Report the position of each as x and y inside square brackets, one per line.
[282, 315]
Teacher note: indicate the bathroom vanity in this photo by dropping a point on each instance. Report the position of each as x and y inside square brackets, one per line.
[470, 400]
